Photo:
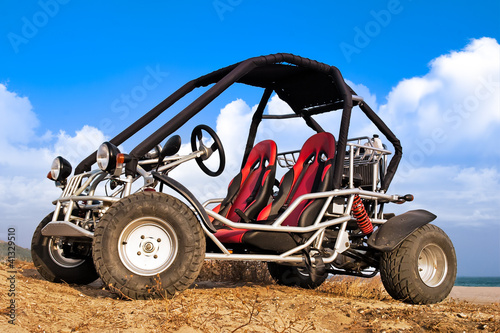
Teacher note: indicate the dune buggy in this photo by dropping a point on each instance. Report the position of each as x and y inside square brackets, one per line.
[326, 215]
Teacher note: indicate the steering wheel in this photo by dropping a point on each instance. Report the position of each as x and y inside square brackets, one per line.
[197, 145]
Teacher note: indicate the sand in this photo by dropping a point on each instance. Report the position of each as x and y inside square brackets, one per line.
[479, 295]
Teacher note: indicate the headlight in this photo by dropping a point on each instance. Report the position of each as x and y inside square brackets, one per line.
[153, 153]
[106, 156]
[60, 169]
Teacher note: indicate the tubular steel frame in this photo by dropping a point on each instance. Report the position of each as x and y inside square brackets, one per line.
[72, 195]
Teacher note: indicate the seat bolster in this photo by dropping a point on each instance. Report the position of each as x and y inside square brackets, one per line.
[283, 193]
[272, 208]
[233, 236]
[263, 194]
[264, 214]
[310, 212]
[232, 190]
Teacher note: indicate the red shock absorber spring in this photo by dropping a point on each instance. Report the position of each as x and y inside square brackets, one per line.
[359, 212]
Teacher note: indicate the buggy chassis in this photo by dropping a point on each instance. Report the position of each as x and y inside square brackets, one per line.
[68, 244]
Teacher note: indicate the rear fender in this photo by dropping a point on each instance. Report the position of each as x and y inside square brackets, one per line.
[398, 228]
[182, 190]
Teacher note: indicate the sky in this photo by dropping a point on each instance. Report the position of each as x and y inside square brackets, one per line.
[75, 73]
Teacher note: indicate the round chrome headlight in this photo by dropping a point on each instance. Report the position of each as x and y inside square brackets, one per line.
[106, 156]
[60, 169]
[103, 157]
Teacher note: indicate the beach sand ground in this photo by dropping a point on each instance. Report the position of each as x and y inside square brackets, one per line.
[479, 295]
[344, 306]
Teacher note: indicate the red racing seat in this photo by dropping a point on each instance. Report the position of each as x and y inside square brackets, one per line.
[251, 189]
[311, 173]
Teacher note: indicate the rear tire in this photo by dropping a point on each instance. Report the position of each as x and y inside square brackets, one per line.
[293, 276]
[422, 269]
[51, 263]
[148, 245]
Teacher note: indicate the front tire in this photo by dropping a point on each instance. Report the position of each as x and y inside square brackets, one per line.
[422, 269]
[49, 260]
[293, 276]
[148, 245]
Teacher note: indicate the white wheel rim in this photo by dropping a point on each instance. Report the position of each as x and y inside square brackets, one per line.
[432, 265]
[56, 254]
[147, 246]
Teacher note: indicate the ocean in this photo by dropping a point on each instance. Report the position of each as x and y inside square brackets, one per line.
[478, 281]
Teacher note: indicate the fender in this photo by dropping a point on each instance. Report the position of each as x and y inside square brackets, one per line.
[182, 190]
[398, 228]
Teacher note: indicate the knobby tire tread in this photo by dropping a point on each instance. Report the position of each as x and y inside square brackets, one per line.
[82, 274]
[181, 283]
[396, 271]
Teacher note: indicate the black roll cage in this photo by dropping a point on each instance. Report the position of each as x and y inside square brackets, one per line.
[307, 86]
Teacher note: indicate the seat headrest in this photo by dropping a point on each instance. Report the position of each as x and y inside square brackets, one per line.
[321, 145]
[263, 151]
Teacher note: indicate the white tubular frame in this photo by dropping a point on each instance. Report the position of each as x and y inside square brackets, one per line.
[77, 185]
[318, 227]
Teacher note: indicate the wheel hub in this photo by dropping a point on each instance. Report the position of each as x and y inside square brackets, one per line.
[147, 246]
[56, 253]
[432, 265]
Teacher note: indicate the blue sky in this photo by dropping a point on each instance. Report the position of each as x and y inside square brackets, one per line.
[80, 71]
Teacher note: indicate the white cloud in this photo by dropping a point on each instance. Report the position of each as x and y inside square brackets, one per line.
[18, 118]
[447, 120]
[456, 104]
[363, 91]
[25, 193]
[232, 127]
[75, 148]
[458, 196]
[25, 201]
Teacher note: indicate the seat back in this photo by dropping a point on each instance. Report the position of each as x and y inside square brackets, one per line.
[311, 173]
[251, 189]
